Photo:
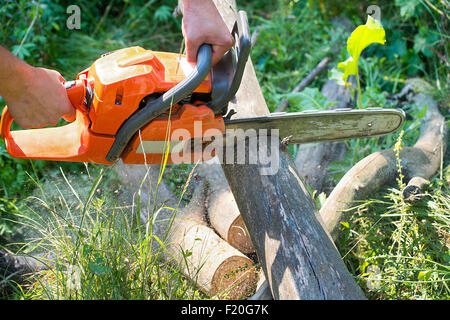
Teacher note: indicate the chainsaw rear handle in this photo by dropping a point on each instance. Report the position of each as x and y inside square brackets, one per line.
[79, 93]
[154, 108]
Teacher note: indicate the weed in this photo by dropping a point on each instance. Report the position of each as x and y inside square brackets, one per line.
[400, 250]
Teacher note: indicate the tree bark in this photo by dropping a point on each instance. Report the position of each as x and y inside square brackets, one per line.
[297, 255]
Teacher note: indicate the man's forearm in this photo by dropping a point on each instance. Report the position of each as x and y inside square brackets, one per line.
[14, 73]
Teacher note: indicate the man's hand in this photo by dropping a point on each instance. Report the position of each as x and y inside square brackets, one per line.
[36, 97]
[202, 23]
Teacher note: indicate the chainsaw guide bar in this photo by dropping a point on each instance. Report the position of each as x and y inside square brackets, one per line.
[320, 126]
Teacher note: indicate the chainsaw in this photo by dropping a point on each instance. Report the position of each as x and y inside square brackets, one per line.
[130, 101]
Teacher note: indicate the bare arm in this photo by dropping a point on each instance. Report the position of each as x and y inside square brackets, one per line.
[35, 97]
[202, 23]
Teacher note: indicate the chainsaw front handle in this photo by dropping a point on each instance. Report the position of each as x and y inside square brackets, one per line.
[154, 108]
[227, 74]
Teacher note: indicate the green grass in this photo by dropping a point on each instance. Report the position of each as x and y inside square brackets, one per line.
[399, 250]
[394, 249]
[99, 248]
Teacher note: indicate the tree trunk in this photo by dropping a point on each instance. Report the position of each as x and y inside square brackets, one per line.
[297, 255]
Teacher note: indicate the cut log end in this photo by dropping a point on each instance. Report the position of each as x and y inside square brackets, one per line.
[415, 189]
[235, 278]
[239, 238]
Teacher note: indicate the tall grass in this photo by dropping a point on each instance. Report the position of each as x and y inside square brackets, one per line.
[95, 245]
[401, 250]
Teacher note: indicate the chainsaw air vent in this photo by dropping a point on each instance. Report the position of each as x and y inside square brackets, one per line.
[119, 96]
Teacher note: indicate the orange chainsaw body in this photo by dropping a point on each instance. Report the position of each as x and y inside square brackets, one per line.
[119, 81]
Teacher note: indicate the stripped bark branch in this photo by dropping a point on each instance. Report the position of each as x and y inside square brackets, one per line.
[380, 168]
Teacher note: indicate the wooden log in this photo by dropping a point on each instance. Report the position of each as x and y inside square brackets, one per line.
[202, 256]
[414, 190]
[206, 258]
[16, 270]
[297, 255]
[313, 159]
[380, 168]
[222, 211]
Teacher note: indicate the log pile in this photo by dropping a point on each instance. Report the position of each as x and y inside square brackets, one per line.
[297, 255]
[214, 216]
[202, 255]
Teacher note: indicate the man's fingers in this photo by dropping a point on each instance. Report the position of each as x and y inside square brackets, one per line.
[70, 116]
[191, 51]
[68, 109]
[217, 53]
[220, 48]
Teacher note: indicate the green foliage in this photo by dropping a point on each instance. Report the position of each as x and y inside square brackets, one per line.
[417, 41]
[361, 38]
[8, 226]
[407, 7]
[176, 177]
[286, 50]
[308, 99]
[101, 249]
